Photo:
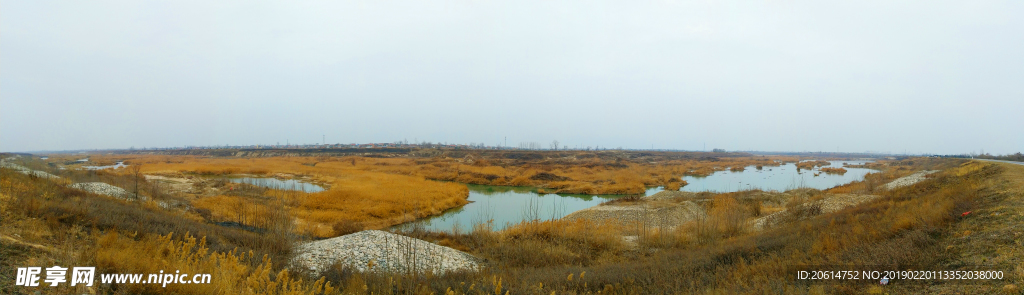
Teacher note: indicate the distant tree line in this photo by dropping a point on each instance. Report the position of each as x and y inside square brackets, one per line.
[1018, 157]
[1012, 157]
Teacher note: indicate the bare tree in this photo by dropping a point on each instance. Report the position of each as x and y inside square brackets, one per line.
[554, 145]
[136, 172]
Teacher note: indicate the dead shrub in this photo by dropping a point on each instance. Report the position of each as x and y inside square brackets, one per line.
[345, 227]
[729, 215]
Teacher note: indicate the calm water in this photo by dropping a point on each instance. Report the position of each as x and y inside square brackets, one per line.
[509, 205]
[274, 183]
[779, 178]
[115, 166]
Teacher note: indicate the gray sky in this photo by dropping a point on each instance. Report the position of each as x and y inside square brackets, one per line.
[888, 76]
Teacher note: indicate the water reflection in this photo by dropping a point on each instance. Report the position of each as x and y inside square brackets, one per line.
[504, 205]
[115, 166]
[278, 184]
[777, 178]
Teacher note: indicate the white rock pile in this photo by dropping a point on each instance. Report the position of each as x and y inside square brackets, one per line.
[379, 251]
[12, 166]
[909, 179]
[92, 187]
[26, 171]
[102, 189]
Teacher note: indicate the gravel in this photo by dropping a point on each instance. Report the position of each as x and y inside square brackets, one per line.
[26, 171]
[41, 174]
[12, 166]
[380, 251]
[909, 179]
[102, 189]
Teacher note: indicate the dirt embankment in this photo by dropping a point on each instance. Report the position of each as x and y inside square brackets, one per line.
[664, 209]
[829, 204]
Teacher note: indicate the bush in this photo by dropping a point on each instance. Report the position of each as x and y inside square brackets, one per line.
[345, 227]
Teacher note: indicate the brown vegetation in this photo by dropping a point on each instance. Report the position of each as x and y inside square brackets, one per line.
[375, 192]
[116, 236]
[373, 199]
[903, 226]
[583, 172]
[809, 165]
[831, 170]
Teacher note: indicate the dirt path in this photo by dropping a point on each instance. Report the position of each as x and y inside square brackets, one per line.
[11, 240]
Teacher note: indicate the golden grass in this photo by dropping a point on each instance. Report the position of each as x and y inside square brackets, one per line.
[379, 192]
[230, 273]
[46, 224]
[811, 164]
[578, 175]
[589, 173]
[831, 170]
[374, 199]
[903, 227]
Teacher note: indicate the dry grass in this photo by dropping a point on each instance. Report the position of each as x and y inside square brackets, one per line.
[809, 165]
[719, 257]
[906, 226]
[379, 192]
[581, 173]
[374, 199]
[69, 227]
[230, 272]
[831, 170]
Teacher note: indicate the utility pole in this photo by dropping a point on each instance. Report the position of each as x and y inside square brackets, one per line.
[323, 139]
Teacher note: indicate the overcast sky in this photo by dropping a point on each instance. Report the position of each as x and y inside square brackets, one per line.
[852, 76]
